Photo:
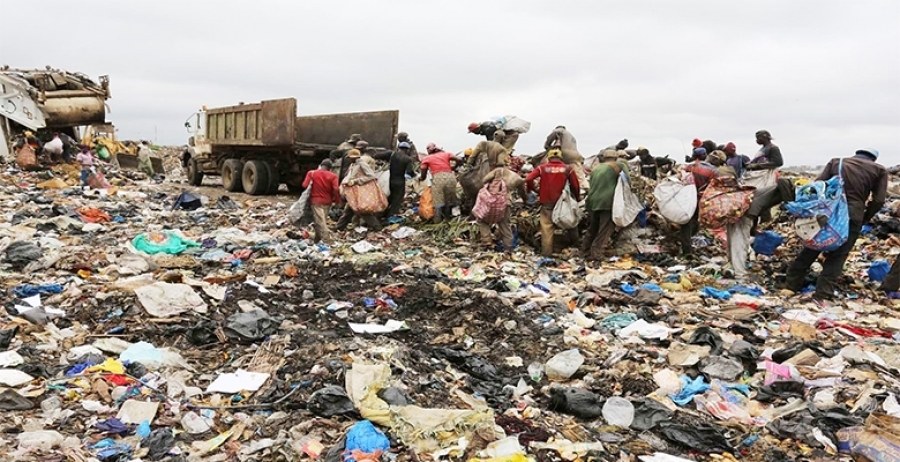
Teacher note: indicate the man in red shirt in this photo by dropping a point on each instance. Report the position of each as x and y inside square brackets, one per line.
[325, 193]
[554, 175]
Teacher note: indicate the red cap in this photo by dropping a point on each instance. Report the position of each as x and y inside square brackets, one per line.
[730, 146]
[473, 126]
[696, 143]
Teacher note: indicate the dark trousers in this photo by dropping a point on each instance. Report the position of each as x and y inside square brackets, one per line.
[891, 283]
[688, 230]
[370, 221]
[832, 268]
[766, 198]
[395, 201]
[600, 229]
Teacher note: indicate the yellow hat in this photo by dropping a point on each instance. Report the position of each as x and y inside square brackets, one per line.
[28, 133]
[468, 152]
[353, 153]
[554, 153]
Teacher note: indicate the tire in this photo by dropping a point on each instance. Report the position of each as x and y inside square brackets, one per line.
[274, 179]
[194, 175]
[232, 171]
[255, 177]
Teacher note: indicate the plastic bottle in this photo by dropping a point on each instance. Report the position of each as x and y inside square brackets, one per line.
[536, 371]
[563, 365]
[618, 411]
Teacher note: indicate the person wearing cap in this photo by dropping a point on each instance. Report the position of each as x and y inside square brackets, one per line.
[443, 181]
[349, 144]
[598, 204]
[701, 173]
[403, 137]
[651, 166]
[514, 183]
[400, 164]
[325, 192]
[360, 146]
[486, 129]
[865, 186]
[562, 139]
[554, 176]
[736, 161]
[359, 172]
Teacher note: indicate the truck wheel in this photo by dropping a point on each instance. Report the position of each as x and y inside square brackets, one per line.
[274, 179]
[231, 175]
[194, 174]
[256, 177]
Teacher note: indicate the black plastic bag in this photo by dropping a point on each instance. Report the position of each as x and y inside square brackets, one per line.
[251, 327]
[783, 389]
[704, 438]
[12, 401]
[187, 201]
[203, 333]
[395, 396]
[797, 427]
[330, 401]
[470, 364]
[577, 402]
[747, 333]
[6, 337]
[649, 413]
[743, 350]
[225, 203]
[160, 442]
[706, 336]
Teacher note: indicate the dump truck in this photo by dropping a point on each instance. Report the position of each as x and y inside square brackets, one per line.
[44, 100]
[255, 148]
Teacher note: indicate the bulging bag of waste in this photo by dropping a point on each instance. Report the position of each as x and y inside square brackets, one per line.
[767, 242]
[724, 202]
[626, 205]
[384, 182]
[366, 198]
[516, 124]
[426, 204]
[490, 207]
[676, 201]
[566, 214]
[301, 209]
[823, 218]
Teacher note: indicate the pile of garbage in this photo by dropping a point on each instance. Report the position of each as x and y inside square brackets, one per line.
[141, 323]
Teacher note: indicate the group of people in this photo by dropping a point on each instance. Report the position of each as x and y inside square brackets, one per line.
[594, 180]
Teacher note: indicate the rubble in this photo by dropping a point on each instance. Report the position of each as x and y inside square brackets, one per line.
[225, 333]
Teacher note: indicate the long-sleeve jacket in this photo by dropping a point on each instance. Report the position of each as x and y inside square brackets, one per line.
[553, 175]
[497, 155]
[865, 184]
[768, 158]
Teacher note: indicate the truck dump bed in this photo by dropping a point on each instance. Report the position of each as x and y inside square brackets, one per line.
[274, 123]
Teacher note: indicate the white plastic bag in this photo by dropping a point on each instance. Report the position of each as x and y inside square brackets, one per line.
[566, 214]
[384, 182]
[564, 365]
[626, 205]
[300, 209]
[760, 178]
[516, 124]
[675, 200]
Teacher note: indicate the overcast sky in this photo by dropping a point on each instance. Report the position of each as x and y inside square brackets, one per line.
[822, 75]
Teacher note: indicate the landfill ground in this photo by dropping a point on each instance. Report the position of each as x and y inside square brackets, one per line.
[245, 341]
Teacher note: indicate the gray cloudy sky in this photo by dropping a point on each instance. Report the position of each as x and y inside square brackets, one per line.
[822, 75]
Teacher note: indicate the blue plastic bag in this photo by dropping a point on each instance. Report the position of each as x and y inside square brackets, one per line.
[746, 290]
[822, 199]
[27, 290]
[879, 270]
[364, 437]
[767, 242]
[715, 293]
[629, 289]
[689, 388]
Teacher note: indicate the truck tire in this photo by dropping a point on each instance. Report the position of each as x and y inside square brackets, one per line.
[255, 177]
[274, 179]
[232, 171]
[194, 174]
